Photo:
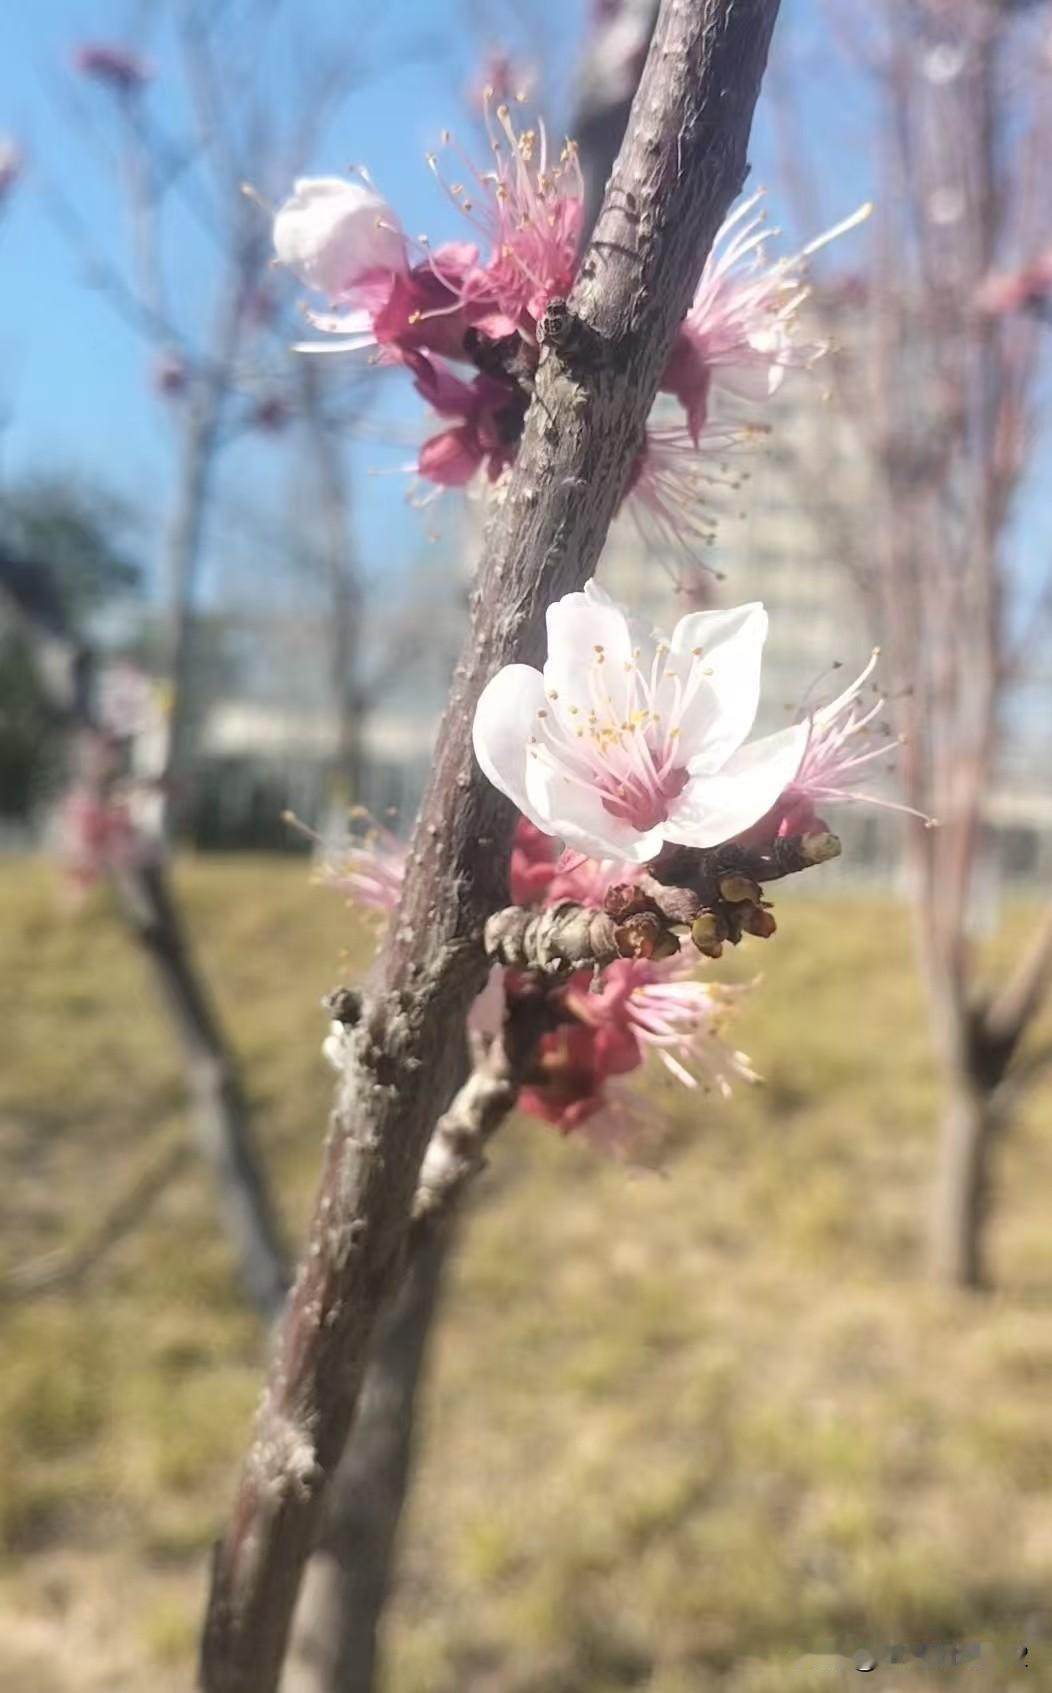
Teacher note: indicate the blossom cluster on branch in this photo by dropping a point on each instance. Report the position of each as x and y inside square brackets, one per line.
[631, 749]
[483, 304]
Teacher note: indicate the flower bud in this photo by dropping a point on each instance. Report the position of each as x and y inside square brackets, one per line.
[736, 886]
[331, 233]
[819, 849]
[756, 920]
[708, 932]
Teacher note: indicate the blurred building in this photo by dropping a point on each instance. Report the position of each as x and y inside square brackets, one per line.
[266, 731]
[256, 759]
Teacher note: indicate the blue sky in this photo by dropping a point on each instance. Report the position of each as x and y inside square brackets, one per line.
[75, 378]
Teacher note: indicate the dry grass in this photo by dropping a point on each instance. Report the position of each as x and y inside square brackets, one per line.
[683, 1432]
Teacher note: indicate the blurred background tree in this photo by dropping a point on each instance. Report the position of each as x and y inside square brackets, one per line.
[940, 448]
[86, 533]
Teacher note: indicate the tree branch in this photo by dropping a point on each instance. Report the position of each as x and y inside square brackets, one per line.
[682, 163]
[1010, 1011]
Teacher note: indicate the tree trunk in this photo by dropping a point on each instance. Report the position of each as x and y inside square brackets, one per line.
[183, 550]
[962, 1182]
[335, 1633]
[344, 619]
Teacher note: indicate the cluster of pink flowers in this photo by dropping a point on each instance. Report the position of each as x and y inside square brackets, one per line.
[480, 304]
[627, 742]
[604, 1030]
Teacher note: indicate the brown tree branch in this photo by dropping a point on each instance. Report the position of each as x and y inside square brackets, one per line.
[682, 163]
[1014, 1007]
[334, 1641]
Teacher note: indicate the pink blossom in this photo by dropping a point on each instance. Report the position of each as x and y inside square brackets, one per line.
[541, 874]
[670, 489]
[119, 68]
[371, 870]
[528, 209]
[95, 833]
[738, 333]
[574, 1063]
[342, 239]
[665, 1009]
[639, 1007]
[427, 308]
[629, 740]
[491, 414]
[847, 743]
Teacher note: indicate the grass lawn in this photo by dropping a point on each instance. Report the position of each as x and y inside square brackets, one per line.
[683, 1432]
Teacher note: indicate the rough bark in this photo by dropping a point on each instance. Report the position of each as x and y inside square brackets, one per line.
[335, 1638]
[683, 161]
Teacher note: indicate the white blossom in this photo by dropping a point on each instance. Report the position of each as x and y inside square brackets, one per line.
[628, 740]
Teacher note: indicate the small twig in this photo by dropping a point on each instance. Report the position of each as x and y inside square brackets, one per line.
[715, 893]
[1010, 1011]
[456, 1151]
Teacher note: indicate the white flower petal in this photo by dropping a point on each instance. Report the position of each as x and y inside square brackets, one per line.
[562, 800]
[579, 625]
[330, 232]
[505, 718]
[563, 805]
[715, 808]
[720, 715]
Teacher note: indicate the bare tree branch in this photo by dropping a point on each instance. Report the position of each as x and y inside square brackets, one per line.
[683, 161]
[1012, 1010]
